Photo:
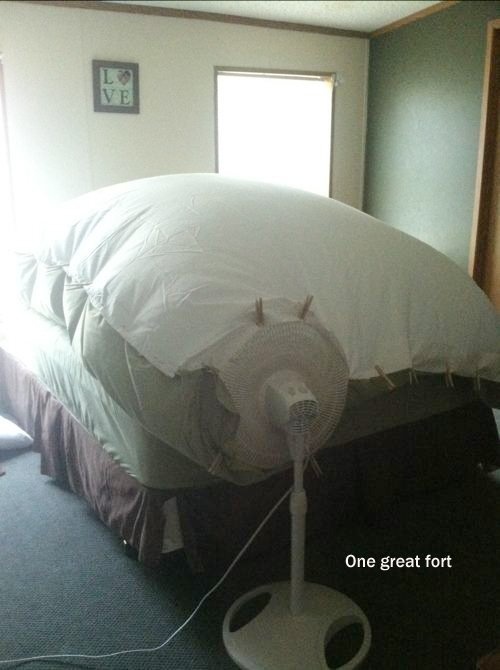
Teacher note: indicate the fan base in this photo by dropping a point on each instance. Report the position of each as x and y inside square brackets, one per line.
[274, 639]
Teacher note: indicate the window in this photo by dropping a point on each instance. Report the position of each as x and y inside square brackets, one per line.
[275, 127]
[5, 182]
[6, 208]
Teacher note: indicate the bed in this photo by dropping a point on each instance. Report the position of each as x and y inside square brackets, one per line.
[135, 294]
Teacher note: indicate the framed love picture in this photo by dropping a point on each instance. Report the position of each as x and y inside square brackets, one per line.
[116, 86]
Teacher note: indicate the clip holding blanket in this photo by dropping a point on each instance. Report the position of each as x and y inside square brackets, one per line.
[259, 312]
[316, 467]
[449, 377]
[389, 383]
[314, 463]
[413, 376]
[215, 464]
[477, 382]
[305, 307]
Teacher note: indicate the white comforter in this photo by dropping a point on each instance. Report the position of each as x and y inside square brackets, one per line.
[175, 264]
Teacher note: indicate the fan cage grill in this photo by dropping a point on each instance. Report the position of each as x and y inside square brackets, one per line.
[308, 350]
[306, 409]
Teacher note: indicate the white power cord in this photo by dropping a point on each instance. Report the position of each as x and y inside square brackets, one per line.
[182, 626]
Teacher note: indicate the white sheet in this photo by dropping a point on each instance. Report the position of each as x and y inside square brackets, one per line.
[175, 264]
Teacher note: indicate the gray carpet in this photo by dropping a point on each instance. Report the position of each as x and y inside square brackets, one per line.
[66, 585]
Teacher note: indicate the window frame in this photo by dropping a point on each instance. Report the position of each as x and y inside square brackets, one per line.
[8, 224]
[280, 74]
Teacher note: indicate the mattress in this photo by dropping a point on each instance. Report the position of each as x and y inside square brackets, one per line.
[44, 347]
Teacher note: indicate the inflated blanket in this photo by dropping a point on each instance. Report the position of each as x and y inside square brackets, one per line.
[156, 281]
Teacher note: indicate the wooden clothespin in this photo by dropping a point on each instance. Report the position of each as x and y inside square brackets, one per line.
[413, 376]
[448, 377]
[389, 383]
[477, 382]
[215, 464]
[259, 312]
[314, 463]
[305, 307]
[316, 467]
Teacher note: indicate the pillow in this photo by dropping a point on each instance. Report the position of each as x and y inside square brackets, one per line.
[12, 437]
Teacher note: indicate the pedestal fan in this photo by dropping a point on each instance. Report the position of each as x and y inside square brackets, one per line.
[288, 384]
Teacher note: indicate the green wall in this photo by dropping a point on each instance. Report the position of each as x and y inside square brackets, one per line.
[424, 109]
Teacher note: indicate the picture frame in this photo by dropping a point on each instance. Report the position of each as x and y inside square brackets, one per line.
[116, 86]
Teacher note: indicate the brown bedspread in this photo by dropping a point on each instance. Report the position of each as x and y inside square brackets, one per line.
[364, 476]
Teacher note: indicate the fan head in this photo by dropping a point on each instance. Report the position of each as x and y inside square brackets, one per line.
[308, 355]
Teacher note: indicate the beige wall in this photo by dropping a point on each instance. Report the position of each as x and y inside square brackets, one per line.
[60, 147]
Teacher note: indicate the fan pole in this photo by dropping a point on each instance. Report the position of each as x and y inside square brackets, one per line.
[298, 620]
[298, 511]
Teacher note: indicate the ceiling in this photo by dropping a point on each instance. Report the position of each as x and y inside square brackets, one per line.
[359, 15]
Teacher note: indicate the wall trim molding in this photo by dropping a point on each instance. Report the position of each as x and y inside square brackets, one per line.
[151, 10]
[422, 14]
[200, 16]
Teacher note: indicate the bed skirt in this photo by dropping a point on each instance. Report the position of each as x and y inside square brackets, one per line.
[363, 477]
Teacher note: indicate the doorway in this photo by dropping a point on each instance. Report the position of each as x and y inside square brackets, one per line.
[484, 263]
